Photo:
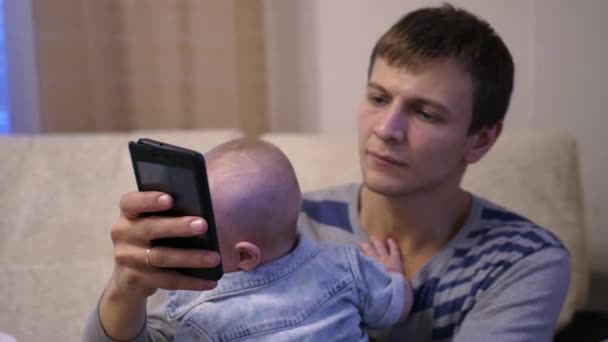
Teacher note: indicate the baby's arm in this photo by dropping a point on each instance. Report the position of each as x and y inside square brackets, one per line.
[388, 255]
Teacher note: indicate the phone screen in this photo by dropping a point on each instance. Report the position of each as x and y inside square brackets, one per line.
[175, 181]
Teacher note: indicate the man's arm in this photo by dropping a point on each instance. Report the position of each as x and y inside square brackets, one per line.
[141, 268]
[523, 304]
[156, 328]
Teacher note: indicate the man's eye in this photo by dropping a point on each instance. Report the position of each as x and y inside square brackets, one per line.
[426, 116]
[377, 100]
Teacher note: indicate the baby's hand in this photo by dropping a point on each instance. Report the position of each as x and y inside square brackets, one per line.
[387, 254]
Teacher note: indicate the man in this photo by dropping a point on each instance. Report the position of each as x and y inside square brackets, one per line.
[439, 85]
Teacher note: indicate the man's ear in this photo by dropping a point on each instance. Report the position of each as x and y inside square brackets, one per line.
[481, 142]
[249, 254]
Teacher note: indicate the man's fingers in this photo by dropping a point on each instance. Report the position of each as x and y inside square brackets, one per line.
[162, 257]
[155, 227]
[173, 257]
[144, 230]
[133, 204]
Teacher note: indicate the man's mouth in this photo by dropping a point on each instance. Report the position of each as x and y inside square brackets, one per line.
[385, 158]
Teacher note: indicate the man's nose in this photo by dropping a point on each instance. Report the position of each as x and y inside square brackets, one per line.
[392, 125]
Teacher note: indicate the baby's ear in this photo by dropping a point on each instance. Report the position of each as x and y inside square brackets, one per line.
[249, 254]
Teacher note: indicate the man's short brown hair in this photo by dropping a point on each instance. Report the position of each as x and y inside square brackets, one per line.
[446, 32]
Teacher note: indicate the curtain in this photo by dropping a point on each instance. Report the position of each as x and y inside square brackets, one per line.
[115, 65]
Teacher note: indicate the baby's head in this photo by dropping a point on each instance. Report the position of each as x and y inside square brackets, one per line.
[256, 202]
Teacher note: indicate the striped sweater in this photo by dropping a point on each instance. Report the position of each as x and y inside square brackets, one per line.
[501, 278]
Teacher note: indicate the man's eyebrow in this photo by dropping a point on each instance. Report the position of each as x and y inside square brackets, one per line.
[372, 84]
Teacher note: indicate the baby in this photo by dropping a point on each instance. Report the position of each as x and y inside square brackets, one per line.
[279, 285]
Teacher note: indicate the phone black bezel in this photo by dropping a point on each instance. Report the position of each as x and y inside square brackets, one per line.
[152, 151]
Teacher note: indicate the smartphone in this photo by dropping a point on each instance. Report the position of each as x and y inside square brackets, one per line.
[181, 173]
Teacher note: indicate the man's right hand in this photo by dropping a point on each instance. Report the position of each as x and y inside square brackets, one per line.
[138, 273]
[132, 236]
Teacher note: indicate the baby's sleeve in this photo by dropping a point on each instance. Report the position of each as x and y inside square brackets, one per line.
[382, 294]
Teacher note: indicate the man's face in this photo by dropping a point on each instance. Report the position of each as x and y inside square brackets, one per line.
[413, 126]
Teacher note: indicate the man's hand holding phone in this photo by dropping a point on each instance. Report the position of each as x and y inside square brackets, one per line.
[165, 237]
[138, 273]
[139, 268]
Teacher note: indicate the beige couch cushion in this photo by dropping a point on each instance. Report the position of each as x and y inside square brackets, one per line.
[532, 172]
[58, 198]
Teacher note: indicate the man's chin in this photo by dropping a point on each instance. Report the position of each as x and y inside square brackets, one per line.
[386, 187]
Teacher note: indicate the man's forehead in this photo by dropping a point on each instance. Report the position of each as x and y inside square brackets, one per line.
[439, 76]
[444, 67]
[442, 83]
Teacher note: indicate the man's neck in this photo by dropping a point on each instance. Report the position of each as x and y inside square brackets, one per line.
[421, 223]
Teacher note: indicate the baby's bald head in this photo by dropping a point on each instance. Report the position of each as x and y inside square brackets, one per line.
[255, 192]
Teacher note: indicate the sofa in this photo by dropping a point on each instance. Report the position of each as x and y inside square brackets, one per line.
[59, 197]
